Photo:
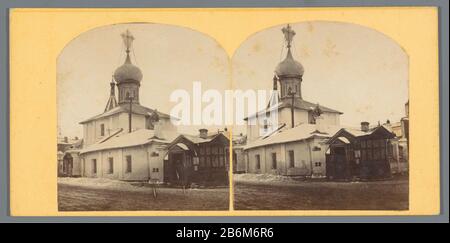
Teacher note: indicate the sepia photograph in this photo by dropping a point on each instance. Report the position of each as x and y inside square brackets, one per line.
[119, 146]
[334, 133]
[318, 111]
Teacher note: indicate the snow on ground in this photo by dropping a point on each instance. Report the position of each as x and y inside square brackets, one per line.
[99, 183]
[266, 178]
[105, 183]
[101, 194]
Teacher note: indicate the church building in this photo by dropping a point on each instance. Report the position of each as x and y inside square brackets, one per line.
[308, 139]
[296, 144]
[127, 141]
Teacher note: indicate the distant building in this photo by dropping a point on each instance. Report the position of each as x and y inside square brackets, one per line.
[239, 156]
[399, 145]
[66, 151]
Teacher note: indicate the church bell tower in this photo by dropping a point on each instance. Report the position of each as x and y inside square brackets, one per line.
[128, 76]
[289, 72]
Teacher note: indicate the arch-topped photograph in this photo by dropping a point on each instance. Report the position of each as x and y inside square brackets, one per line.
[114, 86]
[341, 95]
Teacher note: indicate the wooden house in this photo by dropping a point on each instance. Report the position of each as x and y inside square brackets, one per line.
[202, 159]
[359, 153]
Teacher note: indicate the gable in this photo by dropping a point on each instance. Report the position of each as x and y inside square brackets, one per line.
[341, 133]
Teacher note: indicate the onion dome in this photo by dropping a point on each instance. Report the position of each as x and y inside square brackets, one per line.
[128, 72]
[289, 67]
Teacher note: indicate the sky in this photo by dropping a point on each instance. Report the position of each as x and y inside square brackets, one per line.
[350, 68]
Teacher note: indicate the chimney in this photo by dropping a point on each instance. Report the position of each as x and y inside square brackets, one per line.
[364, 126]
[66, 139]
[203, 133]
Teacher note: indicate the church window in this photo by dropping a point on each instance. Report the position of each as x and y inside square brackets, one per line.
[129, 164]
[274, 161]
[291, 159]
[258, 161]
[265, 125]
[94, 166]
[110, 165]
[102, 129]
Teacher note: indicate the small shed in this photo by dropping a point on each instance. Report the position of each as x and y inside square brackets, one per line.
[359, 154]
[202, 159]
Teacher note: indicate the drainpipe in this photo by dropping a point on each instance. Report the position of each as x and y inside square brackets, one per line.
[148, 165]
[310, 158]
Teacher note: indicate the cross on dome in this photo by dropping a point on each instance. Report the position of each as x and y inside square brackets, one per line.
[289, 34]
[127, 39]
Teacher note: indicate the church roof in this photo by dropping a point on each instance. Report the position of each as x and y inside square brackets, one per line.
[298, 104]
[298, 133]
[122, 139]
[136, 109]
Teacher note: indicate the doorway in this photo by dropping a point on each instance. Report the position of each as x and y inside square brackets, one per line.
[341, 167]
[67, 165]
